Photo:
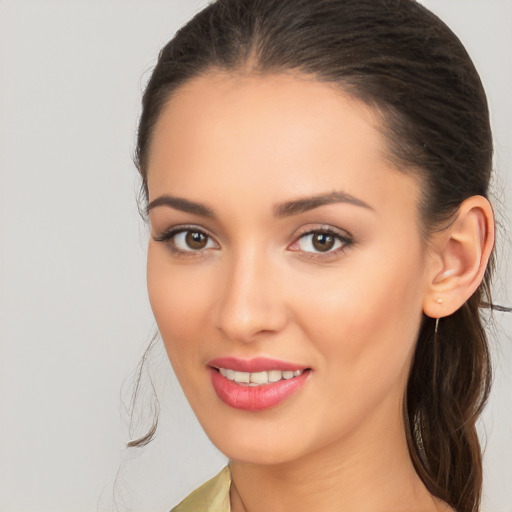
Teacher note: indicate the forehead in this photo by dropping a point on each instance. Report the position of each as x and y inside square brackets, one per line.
[274, 135]
[234, 108]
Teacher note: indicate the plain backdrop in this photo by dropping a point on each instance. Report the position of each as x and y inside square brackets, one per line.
[74, 316]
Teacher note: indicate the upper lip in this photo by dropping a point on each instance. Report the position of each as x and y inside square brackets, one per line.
[256, 364]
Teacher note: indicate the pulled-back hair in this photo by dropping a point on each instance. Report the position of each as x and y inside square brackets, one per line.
[406, 64]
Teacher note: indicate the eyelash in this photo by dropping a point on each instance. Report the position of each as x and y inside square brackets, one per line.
[343, 237]
[340, 236]
[168, 238]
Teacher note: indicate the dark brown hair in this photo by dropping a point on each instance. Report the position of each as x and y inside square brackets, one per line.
[405, 63]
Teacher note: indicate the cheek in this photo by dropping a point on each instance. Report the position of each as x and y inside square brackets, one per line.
[177, 304]
[365, 320]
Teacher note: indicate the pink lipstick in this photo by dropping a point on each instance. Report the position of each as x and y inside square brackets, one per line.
[255, 384]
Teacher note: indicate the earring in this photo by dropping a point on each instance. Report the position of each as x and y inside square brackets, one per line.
[439, 300]
[436, 328]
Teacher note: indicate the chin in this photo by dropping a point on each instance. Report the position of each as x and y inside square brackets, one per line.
[257, 441]
[258, 454]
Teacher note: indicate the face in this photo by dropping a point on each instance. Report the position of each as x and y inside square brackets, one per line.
[285, 248]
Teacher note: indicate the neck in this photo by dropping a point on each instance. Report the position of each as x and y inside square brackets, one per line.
[370, 470]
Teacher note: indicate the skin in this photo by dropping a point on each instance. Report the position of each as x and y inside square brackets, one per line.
[240, 145]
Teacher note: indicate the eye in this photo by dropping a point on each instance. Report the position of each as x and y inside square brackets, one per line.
[320, 241]
[187, 240]
[192, 241]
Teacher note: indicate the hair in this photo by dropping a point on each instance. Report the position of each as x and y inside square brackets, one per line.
[411, 69]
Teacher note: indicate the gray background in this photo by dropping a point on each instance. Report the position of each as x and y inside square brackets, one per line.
[74, 317]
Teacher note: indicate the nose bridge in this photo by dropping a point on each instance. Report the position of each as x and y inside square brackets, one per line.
[249, 302]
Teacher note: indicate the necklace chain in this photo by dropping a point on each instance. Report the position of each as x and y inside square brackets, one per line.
[238, 494]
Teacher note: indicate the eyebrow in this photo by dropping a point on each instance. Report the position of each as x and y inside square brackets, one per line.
[286, 209]
[309, 203]
[184, 205]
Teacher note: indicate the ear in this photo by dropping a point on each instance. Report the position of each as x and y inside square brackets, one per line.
[458, 257]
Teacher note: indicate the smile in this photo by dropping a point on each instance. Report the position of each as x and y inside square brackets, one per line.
[258, 378]
[256, 384]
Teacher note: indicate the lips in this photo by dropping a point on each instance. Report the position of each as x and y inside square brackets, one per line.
[257, 364]
[256, 384]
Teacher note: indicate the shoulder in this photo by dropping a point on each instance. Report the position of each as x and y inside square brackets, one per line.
[212, 496]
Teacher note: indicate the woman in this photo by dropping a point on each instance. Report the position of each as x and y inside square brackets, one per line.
[316, 176]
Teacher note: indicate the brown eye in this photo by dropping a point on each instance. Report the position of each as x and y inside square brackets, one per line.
[323, 242]
[182, 240]
[196, 240]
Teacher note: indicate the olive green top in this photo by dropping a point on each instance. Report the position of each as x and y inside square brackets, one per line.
[212, 496]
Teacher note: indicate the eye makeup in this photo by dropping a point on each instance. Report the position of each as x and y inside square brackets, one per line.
[323, 242]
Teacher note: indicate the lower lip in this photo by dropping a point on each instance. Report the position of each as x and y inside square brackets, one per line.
[255, 398]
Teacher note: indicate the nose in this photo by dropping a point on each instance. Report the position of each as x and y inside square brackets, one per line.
[250, 304]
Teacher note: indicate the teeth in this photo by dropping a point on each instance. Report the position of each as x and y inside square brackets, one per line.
[242, 377]
[258, 378]
[275, 375]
